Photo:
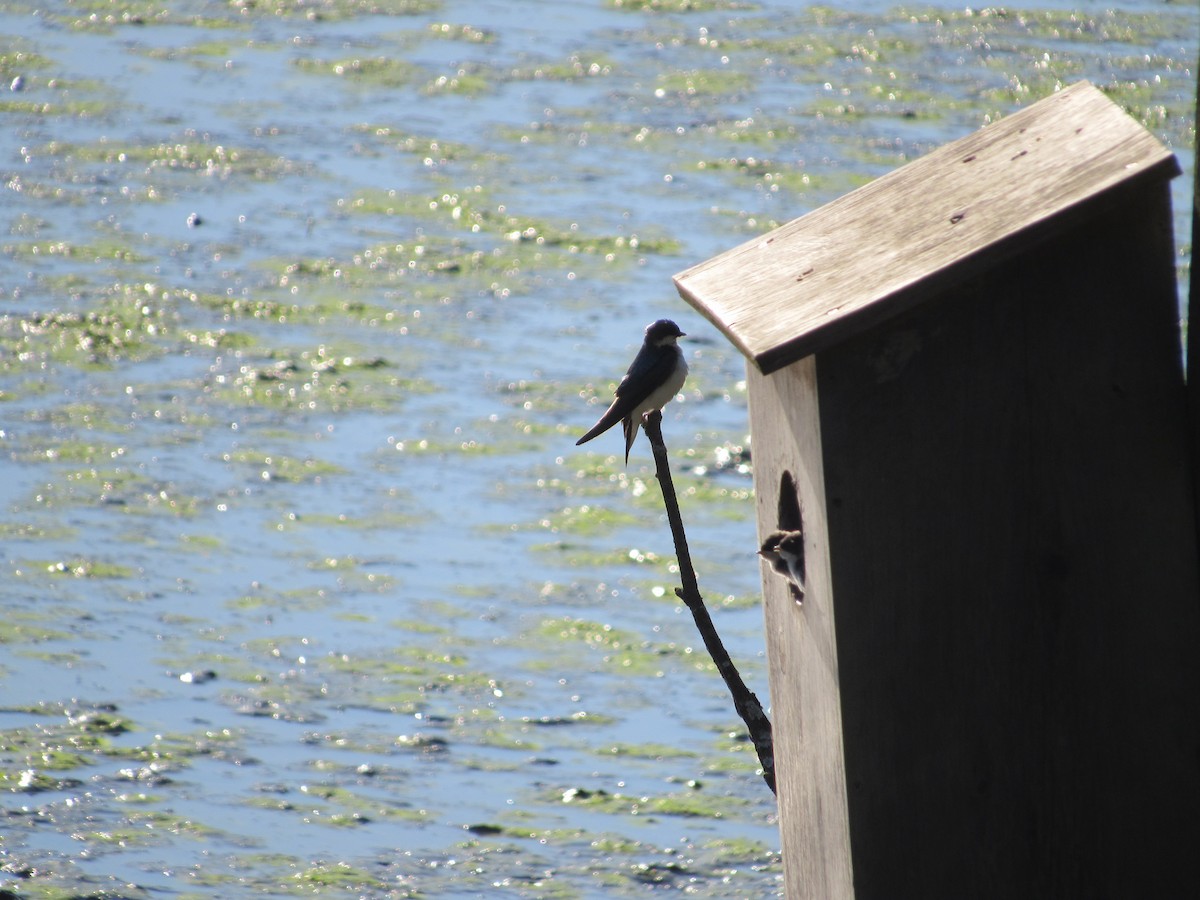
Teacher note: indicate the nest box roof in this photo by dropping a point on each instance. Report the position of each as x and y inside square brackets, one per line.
[930, 224]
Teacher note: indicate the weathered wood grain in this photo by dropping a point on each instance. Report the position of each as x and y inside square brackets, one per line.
[1193, 334]
[801, 644]
[940, 219]
[990, 688]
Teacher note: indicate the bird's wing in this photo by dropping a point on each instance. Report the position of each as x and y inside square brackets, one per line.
[645, 375]
[647, 371]
[611, 417]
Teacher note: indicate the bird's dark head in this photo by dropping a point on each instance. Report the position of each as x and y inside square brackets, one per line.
[770, 547]
[662, 332]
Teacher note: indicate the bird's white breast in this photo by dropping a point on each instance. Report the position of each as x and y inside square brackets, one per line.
[664, 393]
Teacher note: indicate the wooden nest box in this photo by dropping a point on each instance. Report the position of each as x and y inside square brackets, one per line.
[971, 371]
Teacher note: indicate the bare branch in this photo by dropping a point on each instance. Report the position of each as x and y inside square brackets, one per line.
[744, 701]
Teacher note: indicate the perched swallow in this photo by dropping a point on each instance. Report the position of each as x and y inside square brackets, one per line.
[654, 377]
[784, 550]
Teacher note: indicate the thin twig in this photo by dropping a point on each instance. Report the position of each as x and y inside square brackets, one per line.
[744, 701]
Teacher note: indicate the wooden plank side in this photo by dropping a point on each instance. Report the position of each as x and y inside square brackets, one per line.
[1193, 334]
[861, 257]
[802, 644]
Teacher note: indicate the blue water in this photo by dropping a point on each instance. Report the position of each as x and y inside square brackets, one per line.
[394, 621]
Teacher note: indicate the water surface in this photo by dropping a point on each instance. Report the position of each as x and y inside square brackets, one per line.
[302, 307]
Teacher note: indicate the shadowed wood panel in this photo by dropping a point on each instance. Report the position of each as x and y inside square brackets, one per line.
[874, 252]
[1014, 574]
